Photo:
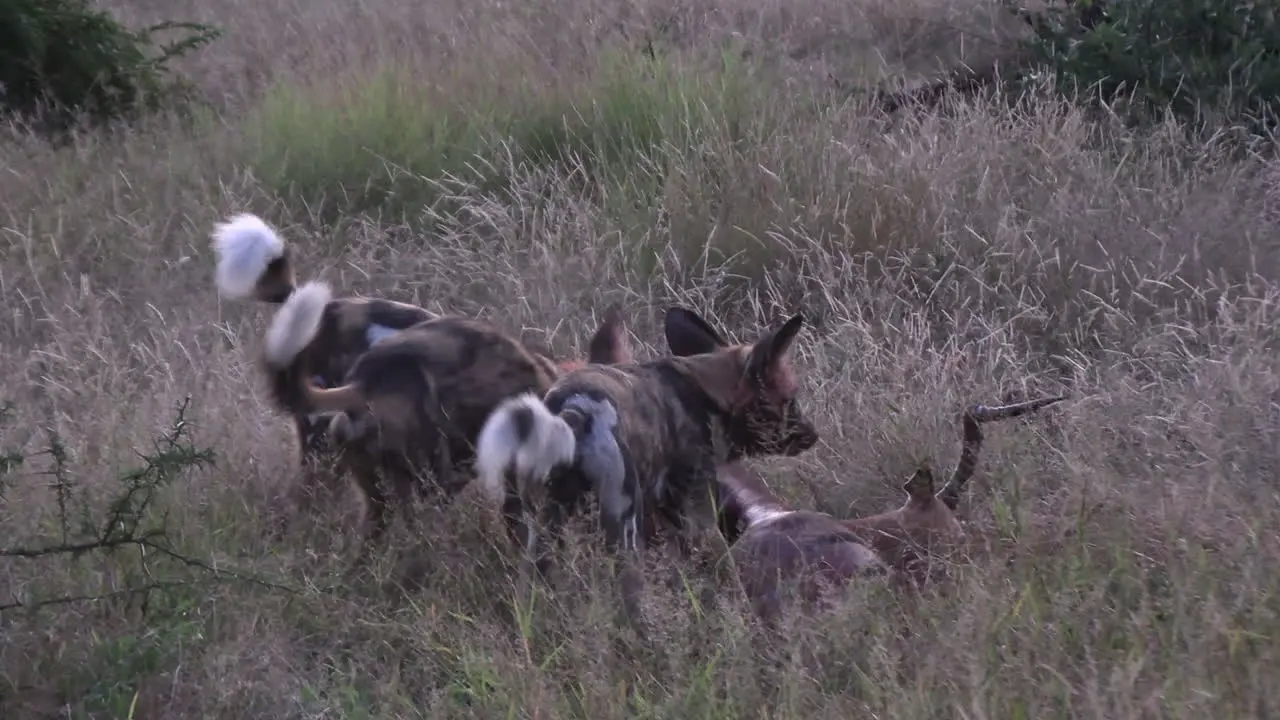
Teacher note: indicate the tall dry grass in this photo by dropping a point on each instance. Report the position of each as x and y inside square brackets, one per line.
[532, 162]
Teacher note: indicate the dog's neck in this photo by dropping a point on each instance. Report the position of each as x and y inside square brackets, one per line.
[710, 383]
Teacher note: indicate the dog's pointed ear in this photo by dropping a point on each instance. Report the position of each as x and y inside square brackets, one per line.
[611, 345]
[919, 487]
[688, 334]
[770, 359]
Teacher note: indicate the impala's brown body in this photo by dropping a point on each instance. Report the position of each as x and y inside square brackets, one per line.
[785, 554]
[644, 437]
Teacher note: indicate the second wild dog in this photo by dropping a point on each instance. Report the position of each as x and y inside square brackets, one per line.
[643, 437]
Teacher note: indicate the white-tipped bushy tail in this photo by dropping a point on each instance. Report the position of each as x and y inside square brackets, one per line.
[524, 438]
[296, 323]
[245, 246]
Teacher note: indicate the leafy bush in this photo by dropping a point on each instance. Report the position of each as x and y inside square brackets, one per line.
[1208, 61]
[63, 59]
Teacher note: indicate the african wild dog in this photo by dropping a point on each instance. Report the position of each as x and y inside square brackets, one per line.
[643, 437]
[773, 544]
[415, 401]
[254, 261]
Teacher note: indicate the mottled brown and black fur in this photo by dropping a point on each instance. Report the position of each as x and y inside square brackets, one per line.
[254, 262]
[349, 328]
[414, 403]
[645, 437]
[780, 551]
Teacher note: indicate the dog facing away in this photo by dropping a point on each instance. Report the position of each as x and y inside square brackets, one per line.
[415, 402]
[779, 550]
[253, 261]
[643, 437]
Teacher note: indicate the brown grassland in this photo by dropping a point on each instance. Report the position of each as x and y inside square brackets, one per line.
[531, 162]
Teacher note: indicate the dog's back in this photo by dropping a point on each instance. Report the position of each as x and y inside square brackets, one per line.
[455, 370]
[661, 418]
[350, 327]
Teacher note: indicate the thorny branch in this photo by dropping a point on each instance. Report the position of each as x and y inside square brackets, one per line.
[129, 518]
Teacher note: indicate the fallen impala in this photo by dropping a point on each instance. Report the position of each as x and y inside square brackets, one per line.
[780, 551]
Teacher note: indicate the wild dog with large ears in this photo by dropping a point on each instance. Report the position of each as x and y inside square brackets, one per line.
[644, 437]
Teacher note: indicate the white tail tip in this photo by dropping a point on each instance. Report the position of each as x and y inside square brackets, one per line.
[296, 323]
[524, 436]
[245, 246]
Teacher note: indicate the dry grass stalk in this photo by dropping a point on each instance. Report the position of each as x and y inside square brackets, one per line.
[527, 164]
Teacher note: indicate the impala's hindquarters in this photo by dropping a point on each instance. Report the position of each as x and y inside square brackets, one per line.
[800, 556]
[784, 555]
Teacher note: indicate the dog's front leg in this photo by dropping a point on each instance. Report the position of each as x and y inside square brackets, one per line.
[703, 531]
[699, 514]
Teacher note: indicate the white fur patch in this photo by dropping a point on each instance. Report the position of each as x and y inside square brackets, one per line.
[376, 333]
[245, 246]
[764, 514]
[499, 447]
[760, 511]
[296, 323]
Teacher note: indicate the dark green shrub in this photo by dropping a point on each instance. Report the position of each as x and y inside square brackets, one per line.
[1208, 61]
[61, 60]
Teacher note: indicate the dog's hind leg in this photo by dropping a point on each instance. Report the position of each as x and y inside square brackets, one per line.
[548, 536]
[377, 511]
[405, 478]
[602, 464]
[317, 455]
[625, 541]
[516, 517]
[445, 481]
